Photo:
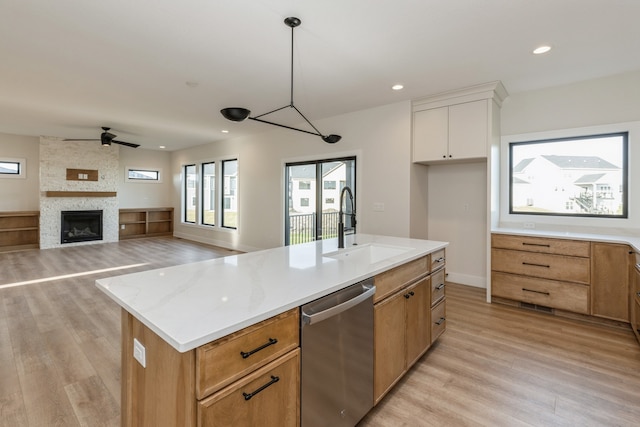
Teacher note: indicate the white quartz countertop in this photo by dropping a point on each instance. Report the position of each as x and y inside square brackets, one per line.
[193, 304]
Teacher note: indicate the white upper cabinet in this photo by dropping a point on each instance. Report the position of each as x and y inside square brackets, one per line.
[456, 126]
[455, 132]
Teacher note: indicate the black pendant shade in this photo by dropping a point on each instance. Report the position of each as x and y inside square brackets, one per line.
[238, 114]
[235, 114]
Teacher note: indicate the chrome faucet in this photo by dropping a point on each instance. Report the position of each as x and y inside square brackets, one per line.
[341, 215]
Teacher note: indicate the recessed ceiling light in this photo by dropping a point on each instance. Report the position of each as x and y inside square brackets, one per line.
[397, 87]
[224, 131]
[541, 49]
[162, 146]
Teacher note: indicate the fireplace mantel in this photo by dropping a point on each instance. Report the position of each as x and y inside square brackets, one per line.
[80, 193]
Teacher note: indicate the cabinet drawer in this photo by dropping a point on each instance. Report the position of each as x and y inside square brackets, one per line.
[541, 244]
[223, 361]
[547, 266]
[438, 320]
[390, 281]
[268, 397]
[437, 286]
[549, 293]
[437, 260]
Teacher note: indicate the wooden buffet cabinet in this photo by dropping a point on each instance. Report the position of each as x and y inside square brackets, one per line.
[563, 275]
[217, 384]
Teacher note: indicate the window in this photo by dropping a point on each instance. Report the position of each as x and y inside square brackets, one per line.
[12, 168]
[313, 197]
[570, 176]
[143, 175]
[208, 208]
[189, 182]
[230, 193]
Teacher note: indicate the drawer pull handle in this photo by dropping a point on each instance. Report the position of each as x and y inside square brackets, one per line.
[441, 259]
[537, 292]
[440, 286]
[536, 265]
[536, 244]
[246, 354]
[440, 321]
[248, 396]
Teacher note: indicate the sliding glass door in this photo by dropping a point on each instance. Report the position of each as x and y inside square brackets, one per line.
[313, 198]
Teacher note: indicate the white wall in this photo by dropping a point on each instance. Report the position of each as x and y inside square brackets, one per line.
[457, 213]
[21, 194]
[145, 194]
[603, 105]
[379, 137]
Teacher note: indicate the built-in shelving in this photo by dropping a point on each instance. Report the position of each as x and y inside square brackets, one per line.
[19, 230]
[145, 222]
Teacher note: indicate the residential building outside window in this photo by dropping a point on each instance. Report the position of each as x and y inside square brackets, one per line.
[313, 197]
[570, 176]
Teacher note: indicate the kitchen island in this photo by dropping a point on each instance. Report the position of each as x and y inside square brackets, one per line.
[179, 322]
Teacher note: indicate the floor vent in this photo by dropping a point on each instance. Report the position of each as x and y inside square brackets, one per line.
[536, 307]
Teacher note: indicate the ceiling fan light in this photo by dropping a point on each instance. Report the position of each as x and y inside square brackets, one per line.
[331, 139]
[235, 114]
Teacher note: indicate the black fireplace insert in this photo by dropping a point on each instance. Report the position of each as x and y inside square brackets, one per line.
[81, 226]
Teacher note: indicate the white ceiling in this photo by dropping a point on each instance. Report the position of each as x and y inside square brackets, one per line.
[68, 67]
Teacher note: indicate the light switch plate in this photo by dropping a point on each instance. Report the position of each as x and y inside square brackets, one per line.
[139, 353]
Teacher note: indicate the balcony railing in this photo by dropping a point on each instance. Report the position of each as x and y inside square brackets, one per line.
[302, 227]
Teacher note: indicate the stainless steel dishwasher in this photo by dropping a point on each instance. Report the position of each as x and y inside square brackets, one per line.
[337, 357]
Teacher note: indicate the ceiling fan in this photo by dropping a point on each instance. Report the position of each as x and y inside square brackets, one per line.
[106, 138]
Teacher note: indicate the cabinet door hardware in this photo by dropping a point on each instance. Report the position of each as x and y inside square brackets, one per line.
[536, 244]
[246, 354]
[440, 286]
[537, 292]
[440, 321]
[248, 396]
[536, 265]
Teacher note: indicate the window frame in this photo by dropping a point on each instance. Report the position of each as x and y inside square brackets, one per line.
[223, 195]
[202, 195]
[587, 136]
[22, 168]
[130, 169]
[185, 195]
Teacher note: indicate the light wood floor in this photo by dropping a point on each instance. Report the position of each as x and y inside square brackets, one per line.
[495, 365]
[505, 366]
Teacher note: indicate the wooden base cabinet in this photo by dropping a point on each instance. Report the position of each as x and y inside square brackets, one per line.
[268, 396]
[234, 381]
[610, 281]
[402, 321]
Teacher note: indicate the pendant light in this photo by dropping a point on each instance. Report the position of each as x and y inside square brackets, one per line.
[238, 114]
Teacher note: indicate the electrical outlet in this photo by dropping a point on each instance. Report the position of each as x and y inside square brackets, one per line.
[529, 225]
[139, 353]
[378, 207]
[122, 226]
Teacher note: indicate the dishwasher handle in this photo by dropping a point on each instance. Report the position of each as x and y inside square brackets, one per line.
[309, 319]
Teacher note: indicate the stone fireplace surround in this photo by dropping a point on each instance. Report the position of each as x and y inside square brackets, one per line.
[56, 156]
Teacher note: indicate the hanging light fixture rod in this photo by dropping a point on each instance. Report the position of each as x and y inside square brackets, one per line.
[238, 114]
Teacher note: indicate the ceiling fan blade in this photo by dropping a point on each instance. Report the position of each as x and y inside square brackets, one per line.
[128, 144]
[81, 139]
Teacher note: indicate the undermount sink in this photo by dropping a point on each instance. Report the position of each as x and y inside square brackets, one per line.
[370, 252]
